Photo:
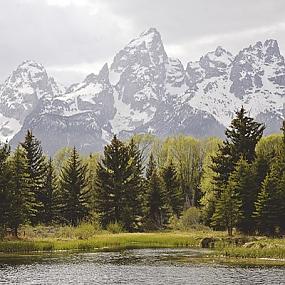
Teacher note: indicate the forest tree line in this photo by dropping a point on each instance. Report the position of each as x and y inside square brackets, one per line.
[145, 182]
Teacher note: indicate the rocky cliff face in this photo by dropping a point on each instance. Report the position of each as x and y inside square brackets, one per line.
[144, 90]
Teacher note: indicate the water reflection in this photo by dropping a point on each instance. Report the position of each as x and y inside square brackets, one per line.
[161, 266]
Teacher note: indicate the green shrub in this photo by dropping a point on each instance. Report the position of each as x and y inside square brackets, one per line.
[190, 219]
[83, 231]
[115, 228]
[2, 233]
[174, 223]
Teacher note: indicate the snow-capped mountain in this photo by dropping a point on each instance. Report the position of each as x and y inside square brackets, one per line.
[144, 90]
[21, 93]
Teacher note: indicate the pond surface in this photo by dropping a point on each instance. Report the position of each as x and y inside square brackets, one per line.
[145, 266]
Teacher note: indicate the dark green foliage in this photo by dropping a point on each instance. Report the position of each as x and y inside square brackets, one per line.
[156, 211]
[74, 191]
[151, 167]
[173, 194]
[4, 191]
[270, 204]
[241, 139]
[37, 171]
[228, 210]
[243, 135]
[21, 198]
[132, 210]
[243, 179]
[236, 203]
[243, 185]
[267, 206]
[119, 185]
[51, 199]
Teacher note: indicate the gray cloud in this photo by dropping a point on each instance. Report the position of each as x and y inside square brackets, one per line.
[74, 37]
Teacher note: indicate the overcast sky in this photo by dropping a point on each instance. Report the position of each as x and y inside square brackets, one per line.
[72, 38]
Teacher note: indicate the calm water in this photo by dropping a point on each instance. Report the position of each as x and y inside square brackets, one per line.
[162, 266]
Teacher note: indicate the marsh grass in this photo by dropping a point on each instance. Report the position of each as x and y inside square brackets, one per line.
[104, 241]
[88, 237]
[263, 248]
[83, 231]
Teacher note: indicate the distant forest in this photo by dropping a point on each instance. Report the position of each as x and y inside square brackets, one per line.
[147, 184]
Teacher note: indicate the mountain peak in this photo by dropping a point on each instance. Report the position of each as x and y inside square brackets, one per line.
[104, 73]
[149, 38]
[271, 43]
[27, 64]
[150, 31]
[272, 49]
[216, 62]
[221, 51]
[142, 50]
[90, 78]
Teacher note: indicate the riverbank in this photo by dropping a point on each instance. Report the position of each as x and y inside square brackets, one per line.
[107, 241]
[259, 250]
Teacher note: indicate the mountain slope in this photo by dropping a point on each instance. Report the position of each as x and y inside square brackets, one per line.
[21, 93]
[144, 90]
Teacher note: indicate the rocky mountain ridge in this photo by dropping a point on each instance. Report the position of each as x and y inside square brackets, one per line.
[142, 91]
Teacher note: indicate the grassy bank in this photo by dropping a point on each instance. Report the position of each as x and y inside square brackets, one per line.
[109, 241]
[224, 251]
[262, 248]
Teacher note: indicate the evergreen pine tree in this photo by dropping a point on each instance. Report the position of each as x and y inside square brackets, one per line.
[119, 185]
[267, 207]
[281, 201]
[241, 139]
[155, 209]
[243, 178]
[4, 178]
[150, 167]
[173, 193]
[132, 210]
[270, 207]
[281, 184]
[74, 191]
[50, 196]
[21, 198]
[37, 172]
[228, 209]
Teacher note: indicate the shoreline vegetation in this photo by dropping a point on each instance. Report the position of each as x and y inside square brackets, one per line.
[236, 250]
[181, 192]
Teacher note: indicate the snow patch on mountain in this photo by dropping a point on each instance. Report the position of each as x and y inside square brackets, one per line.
[9, 127]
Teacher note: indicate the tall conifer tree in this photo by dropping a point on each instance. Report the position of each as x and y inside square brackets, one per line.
[21, 198]
[244, 179]
[270, 207]
[132, 210]
[37, 171]
[74, 191]
[5, 175]
[119, 185]
[51, 199]
[155, 209]
[241, 139]
[228, 209]
[173, 192]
